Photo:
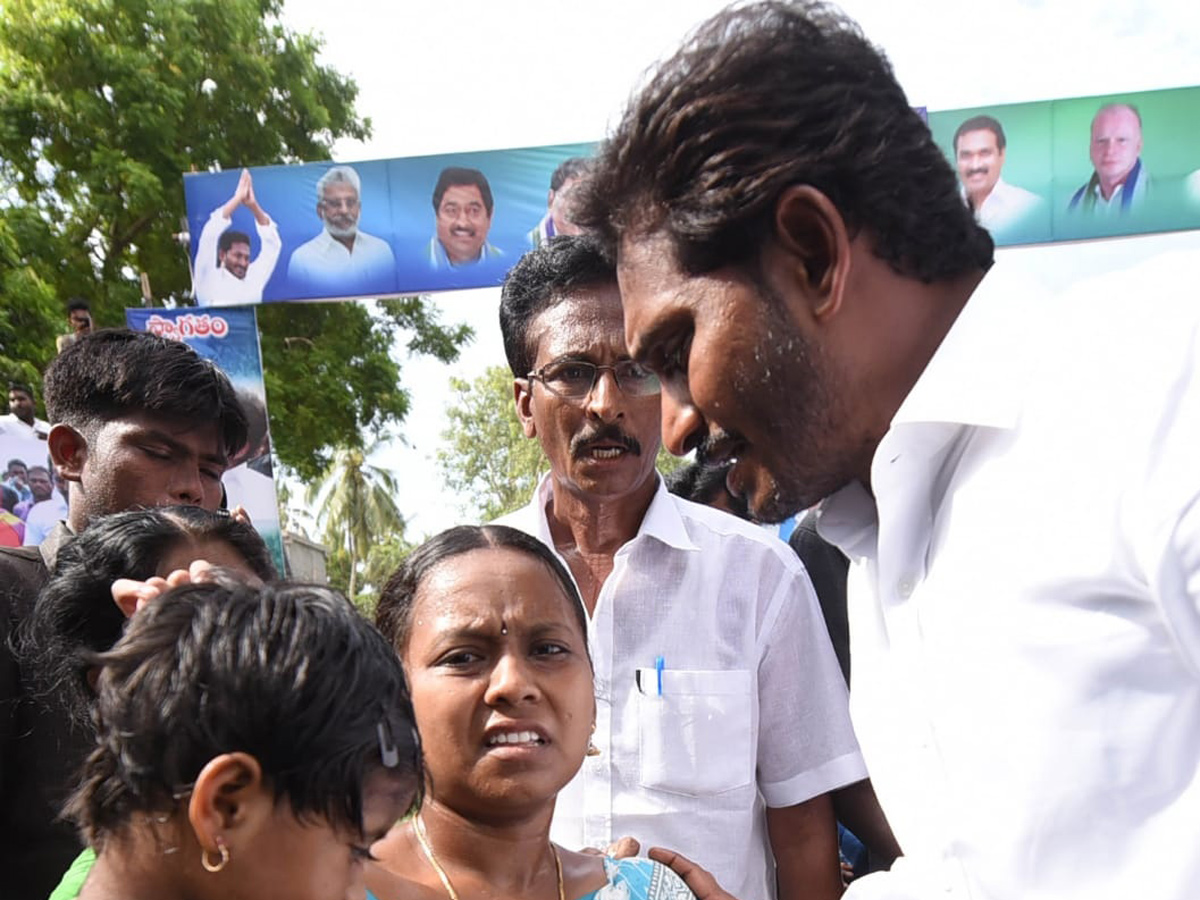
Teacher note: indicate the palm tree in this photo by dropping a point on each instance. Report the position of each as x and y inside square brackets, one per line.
[355, 505]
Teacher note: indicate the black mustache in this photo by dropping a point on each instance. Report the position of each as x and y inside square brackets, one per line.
[715, 448]
[581, 443]
[971, 172]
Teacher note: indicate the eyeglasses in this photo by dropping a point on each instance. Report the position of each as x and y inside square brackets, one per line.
[573, 379]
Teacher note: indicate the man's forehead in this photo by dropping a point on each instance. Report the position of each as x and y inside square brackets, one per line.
[203, 435]
[580, 319]
[981, 137]
[1116, 120]
[462, 193]
[339, 189]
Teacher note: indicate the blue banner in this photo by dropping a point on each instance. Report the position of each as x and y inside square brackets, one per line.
[230, 340]
[324, 231]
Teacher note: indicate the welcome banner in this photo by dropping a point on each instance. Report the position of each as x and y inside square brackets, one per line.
[229, 338]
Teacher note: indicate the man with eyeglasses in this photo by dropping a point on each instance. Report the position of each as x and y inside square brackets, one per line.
[721, 714]
[342, 260]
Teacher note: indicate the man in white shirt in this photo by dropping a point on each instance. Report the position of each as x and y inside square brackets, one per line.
[1012, 475]
[225, 276]
[47, 510]
[342, 261]
[21, 421]
[721, 712]
[979, 152]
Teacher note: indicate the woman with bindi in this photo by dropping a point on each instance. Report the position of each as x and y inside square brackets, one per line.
[492, 637]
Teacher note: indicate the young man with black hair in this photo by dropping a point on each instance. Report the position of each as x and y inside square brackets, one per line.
[79, 314]
[138, 421]
[22, 420]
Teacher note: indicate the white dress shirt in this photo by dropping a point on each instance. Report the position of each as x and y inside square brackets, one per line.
[42, 518]
[325, 264]
[1006, 206]
[753, 706]
[10, 425]
[216, 285]
[1025, 599]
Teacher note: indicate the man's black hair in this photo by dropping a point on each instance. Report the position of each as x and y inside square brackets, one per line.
[114, 372]
[573, 167]
[393, 616]
[75, 615]
[981, 123]
[453, 176]
[22, 387]
[78, 303]
[539, 280]
[759, 99]
[290, 674]
[705, 483]
[231, 237]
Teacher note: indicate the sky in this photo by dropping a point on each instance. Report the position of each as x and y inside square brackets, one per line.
[464, 75]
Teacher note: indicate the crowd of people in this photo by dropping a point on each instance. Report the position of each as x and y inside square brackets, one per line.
[779, 272]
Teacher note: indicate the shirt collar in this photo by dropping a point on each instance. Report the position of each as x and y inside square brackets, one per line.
[980, 372]
[662, 521]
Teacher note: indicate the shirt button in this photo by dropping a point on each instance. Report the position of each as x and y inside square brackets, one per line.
[904, 587]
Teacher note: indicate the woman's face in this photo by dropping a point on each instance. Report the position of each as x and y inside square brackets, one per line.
[310, 859]
[501, 683]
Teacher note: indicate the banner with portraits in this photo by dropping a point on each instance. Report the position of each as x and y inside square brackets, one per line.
[229, 338]
[1086, 167]
[326, 231]
[1056, 170]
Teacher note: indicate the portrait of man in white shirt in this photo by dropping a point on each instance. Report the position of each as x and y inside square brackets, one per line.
[342, 260]
[225, 274]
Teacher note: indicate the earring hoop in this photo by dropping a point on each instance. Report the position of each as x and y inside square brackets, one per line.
[221, 863]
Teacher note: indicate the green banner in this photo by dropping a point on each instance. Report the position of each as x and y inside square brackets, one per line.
[1088, 167]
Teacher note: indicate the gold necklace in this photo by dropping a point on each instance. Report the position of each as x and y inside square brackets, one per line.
[423, 840]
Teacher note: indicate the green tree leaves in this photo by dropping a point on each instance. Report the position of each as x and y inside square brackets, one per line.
[104, 104]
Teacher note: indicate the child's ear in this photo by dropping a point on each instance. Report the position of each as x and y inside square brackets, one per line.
[229, 804]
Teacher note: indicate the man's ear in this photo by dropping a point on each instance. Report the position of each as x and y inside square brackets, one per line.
[523, 395]
[68, 449]
[229, 799]
[812, 234]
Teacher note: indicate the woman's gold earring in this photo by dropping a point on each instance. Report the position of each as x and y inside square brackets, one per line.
[592, 749]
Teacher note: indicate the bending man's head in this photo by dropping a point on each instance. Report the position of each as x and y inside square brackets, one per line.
[768, 196]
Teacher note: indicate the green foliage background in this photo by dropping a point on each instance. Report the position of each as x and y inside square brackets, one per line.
[104, 104]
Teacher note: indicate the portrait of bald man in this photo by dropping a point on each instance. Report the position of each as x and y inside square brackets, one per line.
[1119, 181]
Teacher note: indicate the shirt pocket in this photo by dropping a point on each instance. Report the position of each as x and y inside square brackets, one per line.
[695, 737]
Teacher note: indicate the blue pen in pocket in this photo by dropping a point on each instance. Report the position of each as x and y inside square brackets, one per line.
[658, 669]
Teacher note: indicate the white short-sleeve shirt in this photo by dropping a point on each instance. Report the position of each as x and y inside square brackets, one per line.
[753, 709]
